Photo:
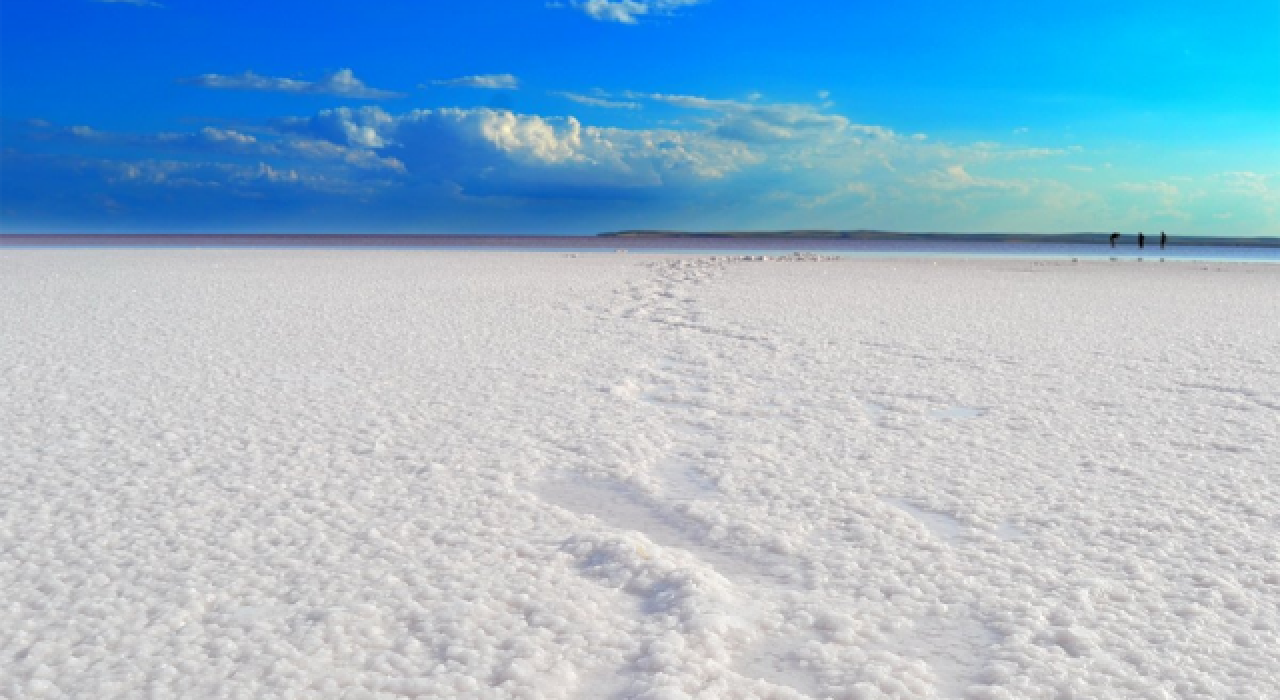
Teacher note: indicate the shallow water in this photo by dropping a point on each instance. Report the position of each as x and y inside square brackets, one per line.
[1127, 251]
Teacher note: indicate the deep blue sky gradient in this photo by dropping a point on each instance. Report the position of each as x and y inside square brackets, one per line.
[1030, 116]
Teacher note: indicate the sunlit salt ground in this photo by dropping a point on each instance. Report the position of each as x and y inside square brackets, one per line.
[299, 474]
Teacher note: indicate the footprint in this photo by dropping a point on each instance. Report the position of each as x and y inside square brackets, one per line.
[683, 482]
[624, 507]
[955, 647]
[940, 524]
[782, 661]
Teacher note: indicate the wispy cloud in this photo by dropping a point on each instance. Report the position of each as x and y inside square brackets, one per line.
[229, 142]
[342, 83]
[1249, 183]
[135, 3]
[956, 177]
[628, 11]
[499, 81]
[592, 101]
[758, 122]
[1161, 198]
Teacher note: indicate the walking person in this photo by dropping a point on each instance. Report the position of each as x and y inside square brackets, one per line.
[1114, 237]
[1163, 240]
[1142, 240]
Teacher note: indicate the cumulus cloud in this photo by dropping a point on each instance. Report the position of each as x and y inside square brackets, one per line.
[594, 101]
[341, 83]
[498, 81]
[363, 127]
[629, 11]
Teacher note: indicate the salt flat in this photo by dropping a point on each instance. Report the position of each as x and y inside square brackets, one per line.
[255, 474]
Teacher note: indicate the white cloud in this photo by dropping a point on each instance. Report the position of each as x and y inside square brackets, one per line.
[991, 152]
[207, 139]
[84, 132]
[754, 122]
[498, 81]
[860, 190]
[628, 11]
[183, 174]
[1161, 198]
[341, 83]
[227, 136]
[135, 3]
[956, 177]
[1163, 189]
[592, 101]
[1248, 183]
[362, 128]
[231, 142]
[320, 150]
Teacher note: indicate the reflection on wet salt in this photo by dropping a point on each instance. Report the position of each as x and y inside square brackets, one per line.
[958, 413]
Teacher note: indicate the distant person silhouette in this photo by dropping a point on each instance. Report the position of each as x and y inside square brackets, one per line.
[1114, 238]
[1163, 240]
[1142, 241]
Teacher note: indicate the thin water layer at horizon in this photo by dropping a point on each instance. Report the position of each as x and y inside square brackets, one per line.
[854, 248]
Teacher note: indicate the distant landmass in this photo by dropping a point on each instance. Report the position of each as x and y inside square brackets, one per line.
[874, 235]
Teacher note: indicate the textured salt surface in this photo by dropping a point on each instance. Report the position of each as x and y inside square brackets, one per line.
[390, 474]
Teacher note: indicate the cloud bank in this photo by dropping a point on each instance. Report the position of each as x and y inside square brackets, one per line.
[498, 148]
[700, 162]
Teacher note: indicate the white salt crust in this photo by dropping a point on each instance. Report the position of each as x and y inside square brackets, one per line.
[298, 474]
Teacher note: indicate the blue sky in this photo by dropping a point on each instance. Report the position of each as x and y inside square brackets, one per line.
[520, 116]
